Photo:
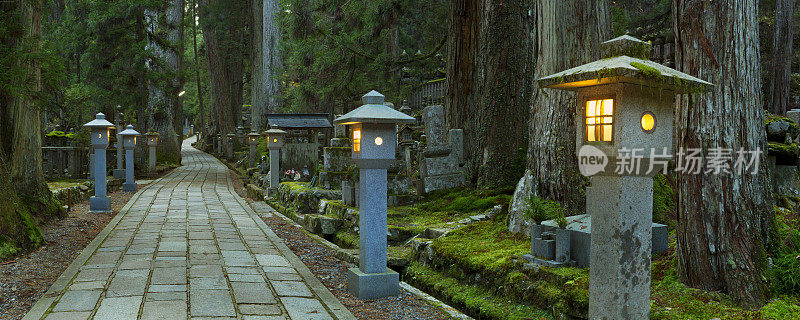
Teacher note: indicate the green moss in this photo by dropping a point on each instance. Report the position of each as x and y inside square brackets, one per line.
[55, 134]
[476, 301]
[646, 70]
[782, 150]
[784, 307]
[346, 239]
[786, 274]
[485, 246]
[663, 200]
[7, 248]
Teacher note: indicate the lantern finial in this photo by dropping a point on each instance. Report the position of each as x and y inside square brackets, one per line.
[373, 97]
[625, 46]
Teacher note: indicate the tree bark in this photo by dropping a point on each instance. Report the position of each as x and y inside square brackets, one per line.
[722, 218]
[164, 107]
[462, 43]
[504, 92]
[24, 195]
[569, 34]
[267, 62]
[778, 93]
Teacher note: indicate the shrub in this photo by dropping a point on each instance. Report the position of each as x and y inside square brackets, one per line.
[540, 209]
[786, 274]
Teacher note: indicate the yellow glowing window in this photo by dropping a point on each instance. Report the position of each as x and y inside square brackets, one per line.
[599, 120]
[356, 140]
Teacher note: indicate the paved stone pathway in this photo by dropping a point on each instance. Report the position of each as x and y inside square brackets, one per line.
[188, 247]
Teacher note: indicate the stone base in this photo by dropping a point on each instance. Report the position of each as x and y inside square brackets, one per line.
[119, 173]
[373, 285]
[547, 263]
[99, 205]
[271, 192]
[130, 187]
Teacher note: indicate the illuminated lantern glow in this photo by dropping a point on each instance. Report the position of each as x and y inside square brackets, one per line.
[599, 120]
[356, 140]
[648, 122]
[378, 141]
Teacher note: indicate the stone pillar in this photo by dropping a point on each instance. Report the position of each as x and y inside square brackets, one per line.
[372, 222]
[119, 172]
[99, 203]
[130, 181]
[252, 156]
[151, 160]
[274, 170]
[229, 145]
[620, 247]
[91, 164]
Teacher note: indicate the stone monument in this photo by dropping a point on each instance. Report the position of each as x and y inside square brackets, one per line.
[374, 141]
[275, 141]
[440, 167]
[100, 135]
[152, 143]
[129, 142]
[625, 102]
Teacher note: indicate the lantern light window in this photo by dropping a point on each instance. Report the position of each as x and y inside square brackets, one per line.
[599, 120]
[648, 122]
[357, 140]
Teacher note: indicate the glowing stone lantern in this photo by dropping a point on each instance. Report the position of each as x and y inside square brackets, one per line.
[229, 144]
[100, 134]
[625, 103]
[152, 143]
[129, 142]
[373, 128]
[275, 139]
[252, 141]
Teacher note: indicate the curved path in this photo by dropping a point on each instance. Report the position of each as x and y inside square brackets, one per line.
[188, 247]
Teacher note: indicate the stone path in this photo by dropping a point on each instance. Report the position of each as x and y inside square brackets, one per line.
[188, 247]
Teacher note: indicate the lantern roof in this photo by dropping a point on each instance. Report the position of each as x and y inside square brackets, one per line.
[99, 122]
[625, 61]
[129, 131]
[275, 131]
[374, 111]
[253, 134]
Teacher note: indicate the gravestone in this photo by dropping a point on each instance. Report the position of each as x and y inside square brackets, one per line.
[440, 167]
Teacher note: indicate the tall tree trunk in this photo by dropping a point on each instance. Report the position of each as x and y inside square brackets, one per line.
[569, 34]
[201, 108]
[462, 43]
[267, 62]
[222, 30]
[24, 196]
[778, 94]
[722, 218]
[504, 92]
[164, 108]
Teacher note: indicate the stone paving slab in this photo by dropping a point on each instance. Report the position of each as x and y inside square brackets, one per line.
[186, 246]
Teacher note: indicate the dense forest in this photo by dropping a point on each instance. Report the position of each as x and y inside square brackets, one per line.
[220, 64]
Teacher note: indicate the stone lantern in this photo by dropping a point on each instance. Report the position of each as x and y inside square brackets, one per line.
[100, 134]
[374, 138]
[252, 140]
[152, 143]
[625, 103]
[229, 145]
[219, 144]
[275, 140]
[128, 142]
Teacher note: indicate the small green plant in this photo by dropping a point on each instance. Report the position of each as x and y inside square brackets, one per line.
[786, 274]
[540, 209]
[561, 220]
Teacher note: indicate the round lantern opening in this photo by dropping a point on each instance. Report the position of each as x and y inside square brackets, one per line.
[648, 122]
[378, 141]
[275, 140]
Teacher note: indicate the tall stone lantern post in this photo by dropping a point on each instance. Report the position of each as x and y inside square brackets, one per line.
[252, 141]
[275, 140]
[119, 171]
[152, 143]
[229, 145]
[129, 142]
[625, 107]
[374, 137]
[100, 135]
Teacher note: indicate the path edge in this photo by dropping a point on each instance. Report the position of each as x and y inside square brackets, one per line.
[46, 301]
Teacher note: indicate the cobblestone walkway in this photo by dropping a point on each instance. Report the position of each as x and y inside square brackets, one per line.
[188, 247]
